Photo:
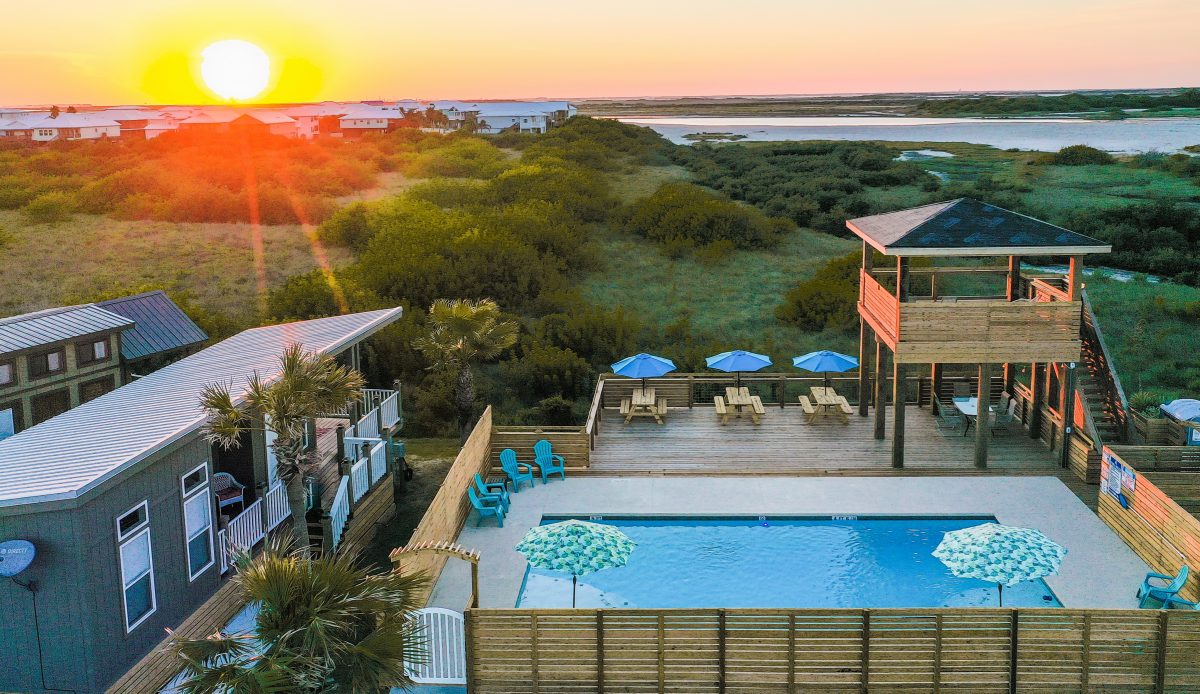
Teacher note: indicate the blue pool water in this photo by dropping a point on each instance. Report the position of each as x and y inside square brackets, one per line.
[780, 562]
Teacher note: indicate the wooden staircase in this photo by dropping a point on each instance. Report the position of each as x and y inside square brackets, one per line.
[1099, 386]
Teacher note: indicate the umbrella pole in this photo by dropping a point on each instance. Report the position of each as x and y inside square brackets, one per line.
[999, 586]
[573, 579]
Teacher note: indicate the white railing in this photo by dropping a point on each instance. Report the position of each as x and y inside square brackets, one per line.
[385, 414]
[390, 407]
[360, 480]
[277, 505]
[246, 529]
[340, 511]
[222, 552]
[372, 397]
[378, 462]
[446, 642]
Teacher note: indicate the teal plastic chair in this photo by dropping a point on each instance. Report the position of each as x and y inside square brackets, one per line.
[493, 490]
[486, 507]
[512, 468]
[547, 462]
[1169, 587]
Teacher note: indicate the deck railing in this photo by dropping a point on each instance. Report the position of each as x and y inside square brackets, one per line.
[360, 480]
[378, 462]
[276, 505]
[339, 513]
[385, 415]
[246, 529]
[222, 552]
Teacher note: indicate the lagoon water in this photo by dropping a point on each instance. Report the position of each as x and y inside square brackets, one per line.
[1044, 134]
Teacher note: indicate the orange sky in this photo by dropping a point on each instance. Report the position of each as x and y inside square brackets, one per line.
[146, 51]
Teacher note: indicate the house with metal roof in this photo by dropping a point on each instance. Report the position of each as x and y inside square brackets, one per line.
[56, 359]
[162, 332]
[133, 513]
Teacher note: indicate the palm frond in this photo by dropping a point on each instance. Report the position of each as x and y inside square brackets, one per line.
[226, 421]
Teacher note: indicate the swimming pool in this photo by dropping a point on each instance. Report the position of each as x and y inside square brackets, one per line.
[839, 561]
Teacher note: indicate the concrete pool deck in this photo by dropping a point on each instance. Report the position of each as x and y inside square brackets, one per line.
[1100, 571]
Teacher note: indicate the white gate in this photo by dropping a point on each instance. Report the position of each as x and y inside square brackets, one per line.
[446, 642]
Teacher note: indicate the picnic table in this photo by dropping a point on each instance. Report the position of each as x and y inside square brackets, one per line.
[643, 402]
[737, 401]
[970, 409]
[828, 402]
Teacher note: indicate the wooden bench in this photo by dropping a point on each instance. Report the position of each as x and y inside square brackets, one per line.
[844, 406]
[722, 411]
[626, 408]
[756, 408]
[660, 407]
[810, 410]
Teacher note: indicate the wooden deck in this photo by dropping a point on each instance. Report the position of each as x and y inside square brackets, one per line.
[694, 442]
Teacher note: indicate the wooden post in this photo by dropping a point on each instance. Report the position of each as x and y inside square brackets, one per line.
[937, 653]
[1085, 664]
[721, 651]
[898, 399]
[880, 389]
[983, 429]
[1160, 669]
[662, 654]
[599, 651]
[791, 652]
[1074, 277]
[865, 662]
[782, 390]
[902, 279]
[691, 391]
[1068, 411]
[533, 652]
[1034, 420]
[1013, 650]
[475, 584]
[864, 373]
[1014, 278]
[468, 637]
[935, 385]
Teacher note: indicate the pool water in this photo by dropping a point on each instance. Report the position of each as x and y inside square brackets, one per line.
[780, 562]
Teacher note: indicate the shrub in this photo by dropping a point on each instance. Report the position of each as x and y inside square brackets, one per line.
[459, 157]
[714, 253]
[826, 300]
[1146, 402]
[349, 227]
[1079, 155]
[50, 208]
[689, 212]
[555, 411]
[543, 370]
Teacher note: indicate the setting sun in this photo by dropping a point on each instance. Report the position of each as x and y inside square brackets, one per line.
[235, 69]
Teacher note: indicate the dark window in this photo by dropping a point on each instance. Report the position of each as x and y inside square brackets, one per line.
[91, 351]
[50, 405]
[90, 390]
[46, 363]
[8, 373]
[132, 520]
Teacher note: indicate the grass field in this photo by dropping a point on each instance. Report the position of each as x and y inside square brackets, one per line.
[214, 264]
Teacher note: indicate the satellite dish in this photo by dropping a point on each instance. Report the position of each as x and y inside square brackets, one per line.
[15, 556]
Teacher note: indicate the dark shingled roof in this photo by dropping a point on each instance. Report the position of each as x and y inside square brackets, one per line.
[969, 227]
[160, 325]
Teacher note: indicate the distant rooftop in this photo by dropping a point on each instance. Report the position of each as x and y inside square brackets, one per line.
[967, 227]
[161, 326]
[66, 456]
[30, 330]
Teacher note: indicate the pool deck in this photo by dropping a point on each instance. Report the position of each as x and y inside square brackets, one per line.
[1100, 571]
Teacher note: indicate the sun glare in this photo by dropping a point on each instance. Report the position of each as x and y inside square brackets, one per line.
[235, 69]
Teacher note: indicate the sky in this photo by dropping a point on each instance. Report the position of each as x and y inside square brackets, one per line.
[147, 51]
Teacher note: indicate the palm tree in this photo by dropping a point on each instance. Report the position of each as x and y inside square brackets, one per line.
[308, 385]
[323, 625]
[462, 333]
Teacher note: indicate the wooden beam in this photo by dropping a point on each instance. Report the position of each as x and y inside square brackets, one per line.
[902, 278]
[898, 399]
[935, 384]
[1036, 379]
[983, 429]
[1068, 410]
[1014, 278]
[864, 374]
[880, 390]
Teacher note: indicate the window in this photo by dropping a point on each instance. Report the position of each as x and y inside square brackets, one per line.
[92, 351]
[90, 390]
[8, 373]
[46, 363]
[137, 565]
[197, 520]
[9, 415]
[48, 405]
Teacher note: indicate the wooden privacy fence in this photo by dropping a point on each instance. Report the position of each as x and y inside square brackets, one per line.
[569, 442]
[450, 506]
[1157, 528]
[836, 650]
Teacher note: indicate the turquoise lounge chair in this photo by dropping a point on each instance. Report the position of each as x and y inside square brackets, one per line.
[512, 468]
[1176, 602]
[486, 507]
[1169, 587]
[547, 462]
[494, 490]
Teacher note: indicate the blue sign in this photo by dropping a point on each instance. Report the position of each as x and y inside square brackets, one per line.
[15, 556]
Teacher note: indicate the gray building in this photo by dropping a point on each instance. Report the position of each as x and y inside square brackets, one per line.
[117, 496]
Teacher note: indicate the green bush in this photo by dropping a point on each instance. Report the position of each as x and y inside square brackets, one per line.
[827, 300]
[50, 208]
[1146, 402]
[683, 211]
[459, 157]
[1079, 155]
[543, 370]
[349, 227]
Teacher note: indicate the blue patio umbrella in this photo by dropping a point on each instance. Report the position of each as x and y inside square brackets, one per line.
[737, 361]
[825, 361]
[1000, 554]
[643, 366]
